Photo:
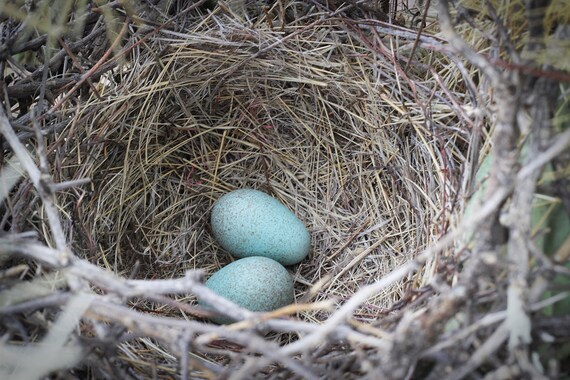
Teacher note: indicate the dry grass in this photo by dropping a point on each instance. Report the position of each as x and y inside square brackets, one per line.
[374, 150]
[319, 121]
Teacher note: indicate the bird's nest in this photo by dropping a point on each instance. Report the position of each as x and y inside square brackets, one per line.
[359, 126]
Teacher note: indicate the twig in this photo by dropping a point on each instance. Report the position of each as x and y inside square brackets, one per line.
[461, 47]
[95, 67]
[487, 320]
[56, 299]
[491, 345]
[41, 183]
[426, 6]
[558, 145]
[69, 184]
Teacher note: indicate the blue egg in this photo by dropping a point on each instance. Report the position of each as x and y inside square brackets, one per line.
[254, 283]
[248, 222]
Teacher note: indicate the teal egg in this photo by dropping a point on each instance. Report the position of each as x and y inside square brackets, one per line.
[254, 283]
[248, 222]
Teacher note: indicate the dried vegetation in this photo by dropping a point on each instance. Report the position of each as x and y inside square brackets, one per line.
[122, 123]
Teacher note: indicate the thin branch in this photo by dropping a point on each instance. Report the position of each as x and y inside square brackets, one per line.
[491, 345]
[41, 183]
[461, 47]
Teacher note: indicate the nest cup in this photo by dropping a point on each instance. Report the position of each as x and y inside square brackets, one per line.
[313, 117]
[315, 121]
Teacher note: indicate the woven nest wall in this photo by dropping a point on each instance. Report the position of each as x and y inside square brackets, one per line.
[360, 118]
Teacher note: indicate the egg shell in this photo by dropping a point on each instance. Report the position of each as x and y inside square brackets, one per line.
[254, 283]
[248, 222]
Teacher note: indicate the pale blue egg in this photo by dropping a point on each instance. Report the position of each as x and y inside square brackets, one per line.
[248, 222]
[254, 283]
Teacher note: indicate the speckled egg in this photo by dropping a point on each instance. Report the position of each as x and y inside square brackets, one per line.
[248, 222]
[255, 283]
